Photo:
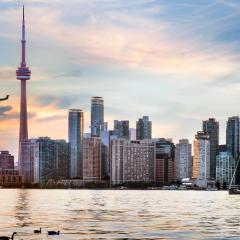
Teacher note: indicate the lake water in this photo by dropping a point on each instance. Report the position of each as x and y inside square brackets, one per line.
[123, 214]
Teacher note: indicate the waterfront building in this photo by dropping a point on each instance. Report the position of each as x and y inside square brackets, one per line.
[10, 178]
[233, 136]
[121, 129]
[201, 158]
[211, 127]
[97, 116]
[23, 74]
[144, 128]
[92, 159]
[62, 158]
[164, 170]
[75, 137]
[106, 136]
[45, 159]
[132, 161]
[28, 154]
[6, 160]
[183, 159]
[233, 141]
[225, 165]
[51, 159]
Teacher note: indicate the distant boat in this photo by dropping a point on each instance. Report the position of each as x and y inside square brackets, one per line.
[234, 189]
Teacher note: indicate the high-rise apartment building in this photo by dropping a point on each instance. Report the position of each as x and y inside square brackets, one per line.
[183, 159]
[144, 128]
[75, 137]
[164, 170]
[201, 158]
[225, 165]
[211, 127]
[233, 141]
[62, 158]
[132, 161]
[45, 159]
[97, 116]
[6, 160]
[92, 159]
[233, 136]
[121, 129]
[28, 154]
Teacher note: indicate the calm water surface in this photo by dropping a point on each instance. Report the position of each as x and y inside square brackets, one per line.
[95, 214]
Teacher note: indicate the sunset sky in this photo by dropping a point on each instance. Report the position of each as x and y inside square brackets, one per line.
[177, 61]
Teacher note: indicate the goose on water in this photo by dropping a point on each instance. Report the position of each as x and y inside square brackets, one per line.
[8, 238]
[38, 231]
[52, 233]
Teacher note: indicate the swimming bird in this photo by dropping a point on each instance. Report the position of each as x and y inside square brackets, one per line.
[8, 238]
[38, 231]
[52, 233]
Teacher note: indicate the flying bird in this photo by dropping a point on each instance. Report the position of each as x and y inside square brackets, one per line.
[4, 99]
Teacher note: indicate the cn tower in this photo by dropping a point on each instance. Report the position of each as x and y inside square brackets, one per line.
[23, 74]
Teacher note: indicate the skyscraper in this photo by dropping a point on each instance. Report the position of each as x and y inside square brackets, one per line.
[225, 165]
[211, 127]
[23, 74]
[92, 159]
[201, 158]
[144, 128]
[97, 116]
[183, 159]
[75, 136]
[164, 171]
[233, 135]
[121, 129]
[233, 141]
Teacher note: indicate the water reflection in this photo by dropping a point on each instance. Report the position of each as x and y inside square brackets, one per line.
[22, 212]
[83, 214]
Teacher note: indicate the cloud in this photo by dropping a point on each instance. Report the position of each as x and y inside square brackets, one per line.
[4, 110]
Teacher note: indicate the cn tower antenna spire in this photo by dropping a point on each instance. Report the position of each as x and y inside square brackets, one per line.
[23, 60]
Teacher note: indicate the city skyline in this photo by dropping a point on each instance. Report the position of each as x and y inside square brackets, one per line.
[89, 73]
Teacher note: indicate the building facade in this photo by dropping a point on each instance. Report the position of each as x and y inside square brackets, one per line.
[51, 160]
[201, 158]
[211, 127]
[183, 159]
[45, 159]
[164, 161]
[62, 158]
[132, 161]
[225, 166]
[28, 155]
[97, 116]
[233, 141]
[121, 129]
[6, 160]
[75, 137]
[10, 178]
[92, 159]
[144, 128]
